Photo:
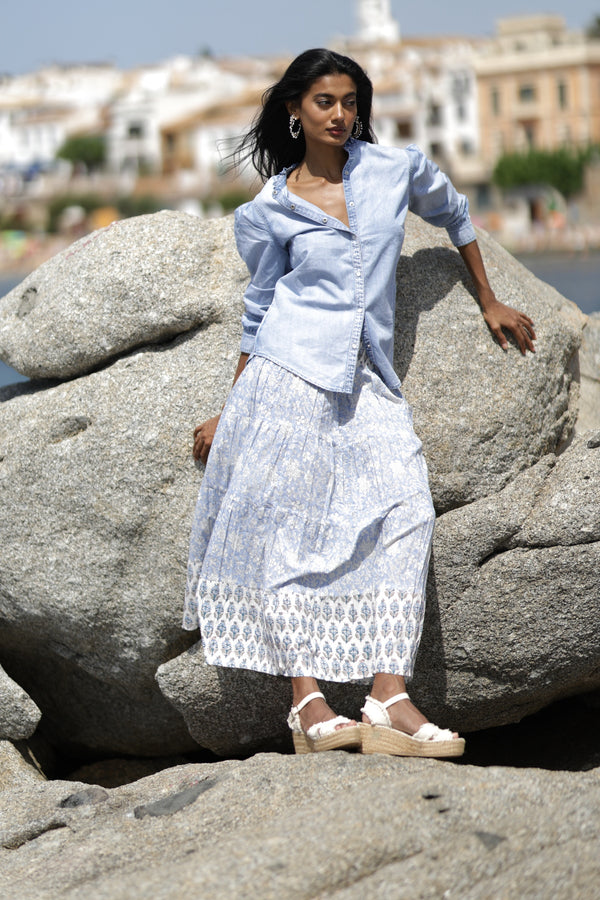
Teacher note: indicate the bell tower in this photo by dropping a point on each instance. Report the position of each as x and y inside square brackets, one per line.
[375, 22]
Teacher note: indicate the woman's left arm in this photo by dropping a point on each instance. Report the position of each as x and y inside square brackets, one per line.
[498, 315]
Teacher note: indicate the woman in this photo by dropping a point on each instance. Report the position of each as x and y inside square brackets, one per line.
[311, 540]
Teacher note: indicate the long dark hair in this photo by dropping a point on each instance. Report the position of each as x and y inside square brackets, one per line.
[269, 143]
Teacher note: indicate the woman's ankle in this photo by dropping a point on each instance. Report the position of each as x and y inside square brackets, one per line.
[386, 685]
[302, 687]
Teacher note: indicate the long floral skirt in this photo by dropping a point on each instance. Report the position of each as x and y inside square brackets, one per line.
[312, 532]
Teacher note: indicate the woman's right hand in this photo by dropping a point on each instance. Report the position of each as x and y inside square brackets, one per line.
[203, 438]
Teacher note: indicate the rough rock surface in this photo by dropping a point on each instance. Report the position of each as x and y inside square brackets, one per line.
[16, 773]
[589, 357]
[97, 484]
[368, 827]
[512, 593]
[94, 535]
[483, 415]
[138, 281]
[19, 716]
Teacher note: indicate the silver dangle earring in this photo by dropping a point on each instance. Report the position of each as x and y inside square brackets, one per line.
[357, 128]
[295, 134]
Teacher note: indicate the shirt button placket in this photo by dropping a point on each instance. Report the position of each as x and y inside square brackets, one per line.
[360, 286]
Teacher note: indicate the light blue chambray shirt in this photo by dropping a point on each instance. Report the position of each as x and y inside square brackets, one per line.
[316, 285]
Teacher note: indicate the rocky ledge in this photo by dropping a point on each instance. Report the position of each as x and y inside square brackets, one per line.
[327, 825]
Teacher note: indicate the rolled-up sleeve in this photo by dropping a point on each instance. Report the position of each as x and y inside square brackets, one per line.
[267, 261]
[435, 199]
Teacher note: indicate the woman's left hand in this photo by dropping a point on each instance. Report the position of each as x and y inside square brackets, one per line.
[499, 316]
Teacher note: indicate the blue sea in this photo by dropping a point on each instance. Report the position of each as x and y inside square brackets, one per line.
[576, 277]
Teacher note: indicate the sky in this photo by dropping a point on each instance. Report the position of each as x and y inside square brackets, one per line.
[134, 32]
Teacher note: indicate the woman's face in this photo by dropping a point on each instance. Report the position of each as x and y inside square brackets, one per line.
[327, 110]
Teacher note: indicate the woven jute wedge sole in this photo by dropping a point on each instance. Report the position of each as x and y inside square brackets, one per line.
[380, 739]
[347, 738]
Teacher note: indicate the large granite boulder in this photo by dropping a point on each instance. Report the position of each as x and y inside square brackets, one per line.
[98, 485]
[483, 415]
[98, 489]
[589, 363]
[16, 772]
[19, 716]
[369, 826]
[512, 595]
[136, 282]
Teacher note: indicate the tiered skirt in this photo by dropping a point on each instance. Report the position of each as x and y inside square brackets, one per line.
[312, 531]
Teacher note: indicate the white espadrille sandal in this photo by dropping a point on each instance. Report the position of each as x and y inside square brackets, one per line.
[323, 735]
[380, 737]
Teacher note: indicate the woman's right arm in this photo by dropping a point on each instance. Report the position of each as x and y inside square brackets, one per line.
[204, 433]
[267, 261]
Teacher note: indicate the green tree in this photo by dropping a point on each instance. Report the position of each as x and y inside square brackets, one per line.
[562, 169]
[130, 205]
[56, 207]
[89, 149]
[230, 200]
[593, 29]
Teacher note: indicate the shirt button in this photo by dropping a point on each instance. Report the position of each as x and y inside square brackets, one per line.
[293, 206]
[352, 203]
[324, 221]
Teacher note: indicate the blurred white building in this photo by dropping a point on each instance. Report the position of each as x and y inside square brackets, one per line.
[198, 147]
[425, 90]
[376, 23]
[40, 110]
[154, 97]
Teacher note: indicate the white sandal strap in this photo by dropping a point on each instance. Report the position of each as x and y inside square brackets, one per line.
[377, 711]
[307, 699]
[323, 729]
[294, 716]
[395, 699]
[378, 715]
[431, 732]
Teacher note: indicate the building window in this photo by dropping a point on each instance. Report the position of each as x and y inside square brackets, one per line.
[460, 92]
[529, 134]
[404, 130]
[436, 150]
[527, 93]
[435, 115]
[135, 130]
[563, 97]
[495, 99]
[484, 196]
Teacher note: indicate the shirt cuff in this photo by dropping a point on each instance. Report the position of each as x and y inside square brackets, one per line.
[247, 343]
[462, 234]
